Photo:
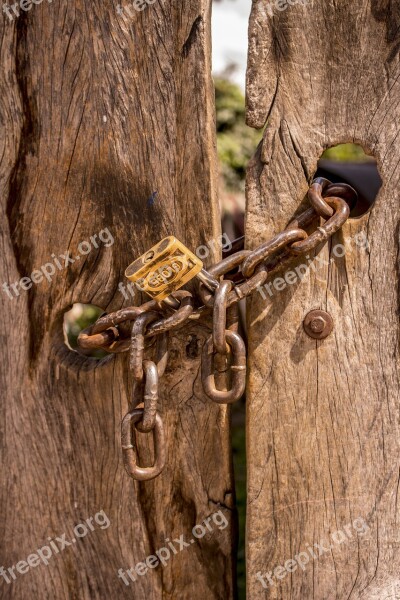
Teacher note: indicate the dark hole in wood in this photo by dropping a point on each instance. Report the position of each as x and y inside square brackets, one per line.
[76, 319]
[348, 163]
[192, 348]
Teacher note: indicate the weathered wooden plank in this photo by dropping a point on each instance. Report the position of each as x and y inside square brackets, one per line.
[323, 427]
[99, 112]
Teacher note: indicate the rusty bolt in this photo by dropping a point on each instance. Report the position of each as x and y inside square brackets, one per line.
[318, 324]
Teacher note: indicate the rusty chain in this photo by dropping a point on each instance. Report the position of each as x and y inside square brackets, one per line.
[219, 290]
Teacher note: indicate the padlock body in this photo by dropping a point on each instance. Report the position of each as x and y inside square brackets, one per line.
[164, 268]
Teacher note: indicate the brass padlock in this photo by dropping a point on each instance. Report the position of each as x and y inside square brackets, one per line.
[164, 268]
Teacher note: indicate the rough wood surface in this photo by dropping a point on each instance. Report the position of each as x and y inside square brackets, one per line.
[98, 112]
[323, 417]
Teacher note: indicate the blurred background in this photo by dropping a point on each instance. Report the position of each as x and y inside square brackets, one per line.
[236, 144]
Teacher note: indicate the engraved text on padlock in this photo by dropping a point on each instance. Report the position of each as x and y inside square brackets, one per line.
[164, 268]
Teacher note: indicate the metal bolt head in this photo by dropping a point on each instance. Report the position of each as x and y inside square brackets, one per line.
[318, 324]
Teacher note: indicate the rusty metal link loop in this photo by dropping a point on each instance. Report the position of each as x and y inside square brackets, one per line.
[129, 451]
[208, 280]
[239, 291]
[237, 368]
[170, 302]
[152, 372]
[246, 288]
[162, 354]
[322, 188]
[343, 191]
[315, 193]
[104, 333]
[222, 268]
[180, 316]
[94, 341]
[137, 343]
[123, 315]
[263, 252]
[219, 316]
[340, 216]
[150, 396]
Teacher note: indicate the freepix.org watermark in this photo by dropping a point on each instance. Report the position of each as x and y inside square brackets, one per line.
[43, 555]
[13, 10]
[60, 262]
[293, 276]
[163, 555]
[273, 5]
[314, 552]
[137, 5]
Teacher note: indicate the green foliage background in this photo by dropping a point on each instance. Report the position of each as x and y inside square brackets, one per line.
[236, 142]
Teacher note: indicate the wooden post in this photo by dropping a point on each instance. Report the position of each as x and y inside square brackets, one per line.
[107, 123]
[323, 430]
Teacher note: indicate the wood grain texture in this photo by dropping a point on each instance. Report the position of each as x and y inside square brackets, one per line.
[98, 112]
[323, 417]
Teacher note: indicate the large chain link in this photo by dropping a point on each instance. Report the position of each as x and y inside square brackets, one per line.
[224, 352]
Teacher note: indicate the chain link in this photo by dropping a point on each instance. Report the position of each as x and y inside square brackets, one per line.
[219, 291]
[237, 368]
[128, 448]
